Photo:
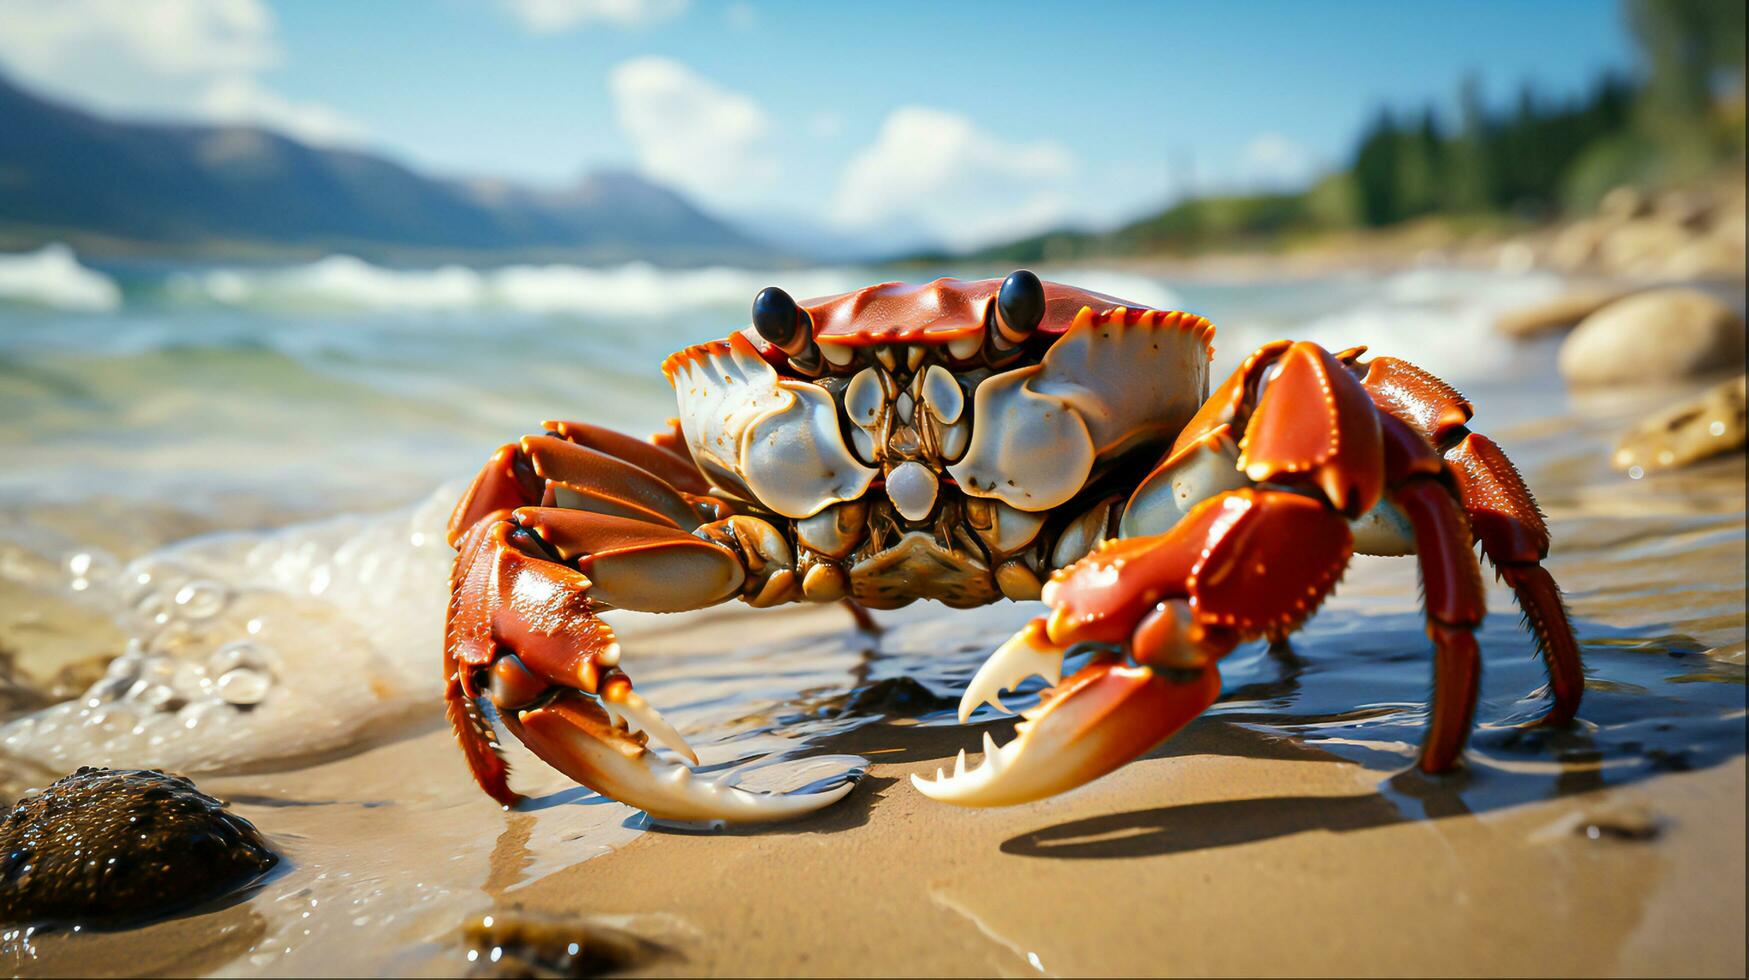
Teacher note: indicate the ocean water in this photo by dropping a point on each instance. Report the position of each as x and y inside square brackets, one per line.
[251, 466]
[222, 493]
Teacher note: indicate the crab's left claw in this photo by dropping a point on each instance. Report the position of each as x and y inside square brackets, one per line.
[1103, 716]
[575, 735]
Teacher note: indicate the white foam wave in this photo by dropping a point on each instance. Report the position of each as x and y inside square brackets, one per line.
[1442, 319]
[1142, 290]
[51, 276]
[343, 282]
[254, 646]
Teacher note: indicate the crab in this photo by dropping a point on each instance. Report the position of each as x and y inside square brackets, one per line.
[969, 442]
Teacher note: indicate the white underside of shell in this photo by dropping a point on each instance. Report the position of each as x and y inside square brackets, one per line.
[912, 488]
[1102, 387]
[777, 439]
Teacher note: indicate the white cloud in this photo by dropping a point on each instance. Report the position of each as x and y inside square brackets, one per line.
[559, 16]
[691, 132]
[938, 171]
[1273, 160]
[180, 58]
[241, 99]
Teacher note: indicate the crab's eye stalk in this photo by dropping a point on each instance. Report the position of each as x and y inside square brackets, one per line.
[1020, 306]
[788, 327]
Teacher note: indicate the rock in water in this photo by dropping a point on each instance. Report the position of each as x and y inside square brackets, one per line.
[1711, 425]
[1657, 336]
[118, 846]
[1561, 313]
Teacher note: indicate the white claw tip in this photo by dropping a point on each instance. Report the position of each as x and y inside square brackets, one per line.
[1026, 654]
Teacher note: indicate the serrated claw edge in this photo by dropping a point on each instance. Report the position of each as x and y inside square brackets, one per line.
[1028, 653]
[626, 706]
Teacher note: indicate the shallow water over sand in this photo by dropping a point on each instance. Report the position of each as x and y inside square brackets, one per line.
[144, 427]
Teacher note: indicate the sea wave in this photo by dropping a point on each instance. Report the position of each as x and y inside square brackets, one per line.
[52, 277]
[344, 282]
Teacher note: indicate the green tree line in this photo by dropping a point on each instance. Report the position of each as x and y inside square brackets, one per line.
[1678, 118]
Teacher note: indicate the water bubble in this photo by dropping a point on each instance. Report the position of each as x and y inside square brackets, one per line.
[244, 686]
[158, 669]
[152, 607]
[201, 713]
[202, 599]
[178, 638]
[88, 568]
[113, 719]
[125, 667]
[108, 689]
[158, 696]
[243, 653]
[190, 679]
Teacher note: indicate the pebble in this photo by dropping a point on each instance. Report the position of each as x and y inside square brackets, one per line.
[1661, 335]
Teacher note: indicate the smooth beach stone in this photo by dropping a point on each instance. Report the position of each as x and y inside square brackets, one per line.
[1711, 424]
[1561, 313]
[1657, 336]
[119, 846]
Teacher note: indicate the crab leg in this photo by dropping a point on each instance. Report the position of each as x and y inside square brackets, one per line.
[1451, 580]
[1500, 510]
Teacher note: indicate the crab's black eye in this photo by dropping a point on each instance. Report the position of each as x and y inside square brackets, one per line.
[1020, 306]
[778, 319]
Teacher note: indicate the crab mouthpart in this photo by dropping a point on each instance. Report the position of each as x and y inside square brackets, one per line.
[580, 738]
[1104, 716]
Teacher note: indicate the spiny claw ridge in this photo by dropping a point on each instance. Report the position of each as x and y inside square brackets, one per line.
[577, 736]
[631, 711]
[1027, 653]
[1102, 717]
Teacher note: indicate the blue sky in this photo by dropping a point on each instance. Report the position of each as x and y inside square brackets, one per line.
[972, 120]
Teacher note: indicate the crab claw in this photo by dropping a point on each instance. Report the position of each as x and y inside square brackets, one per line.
[1028, 653]
[575, 735]
[630, 711]
[1105, 715]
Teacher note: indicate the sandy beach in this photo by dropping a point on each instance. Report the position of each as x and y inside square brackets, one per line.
[1278, 834]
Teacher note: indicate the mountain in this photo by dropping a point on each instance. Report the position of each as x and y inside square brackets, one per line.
[113, 186]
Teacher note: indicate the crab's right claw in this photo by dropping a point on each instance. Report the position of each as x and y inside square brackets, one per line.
[1102, 717]
[575, 735]
[1028, 653]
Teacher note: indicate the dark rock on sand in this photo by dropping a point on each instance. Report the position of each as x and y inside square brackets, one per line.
[1658, 336]
[116, 847]
[518, 943]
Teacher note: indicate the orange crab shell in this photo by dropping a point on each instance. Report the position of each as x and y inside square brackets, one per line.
[938, 313]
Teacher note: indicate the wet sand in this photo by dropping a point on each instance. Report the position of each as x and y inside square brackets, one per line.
[1233, 849]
